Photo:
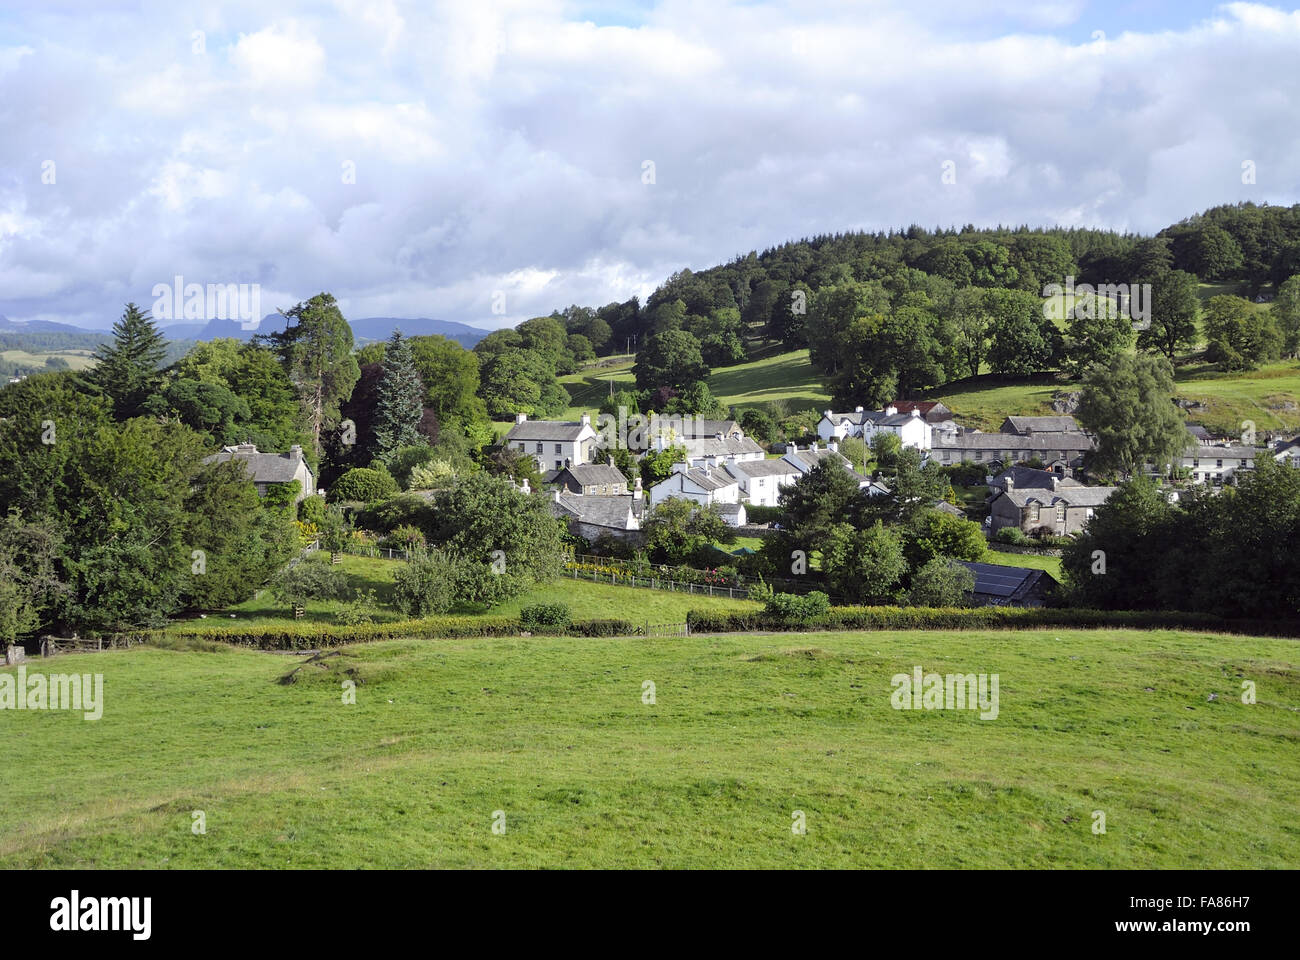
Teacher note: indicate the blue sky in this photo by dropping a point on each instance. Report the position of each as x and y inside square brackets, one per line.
[435, 159]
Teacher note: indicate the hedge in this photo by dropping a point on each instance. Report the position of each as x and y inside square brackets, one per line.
[976, 618]
[310, 636]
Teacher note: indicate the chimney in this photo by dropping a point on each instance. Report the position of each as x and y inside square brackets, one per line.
[637, 489]
[520, 417]
[832, 446]
[828, 414]
[891, 410]
[915, 412]
[525, 488]
[586, 419]
[1056, 482]
[1009, 483]
[857, 409]
[295, 452]
[609, 460]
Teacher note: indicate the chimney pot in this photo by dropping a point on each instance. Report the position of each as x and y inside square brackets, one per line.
[857, 409]
[586, 419]
[520, 417]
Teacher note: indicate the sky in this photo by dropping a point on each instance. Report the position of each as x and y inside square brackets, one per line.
[486, 162]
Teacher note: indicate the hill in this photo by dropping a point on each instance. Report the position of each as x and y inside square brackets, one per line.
[1146, 727]
[363, 329]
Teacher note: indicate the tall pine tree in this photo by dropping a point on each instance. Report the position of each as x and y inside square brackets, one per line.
[127, 369]
[400, 399]
[316, 350]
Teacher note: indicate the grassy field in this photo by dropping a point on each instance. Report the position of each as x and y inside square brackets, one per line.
[586, 600]
[1146, 727]
[77, 359]
[1032, 560]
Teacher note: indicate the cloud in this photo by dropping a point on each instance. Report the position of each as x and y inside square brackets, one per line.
[413, 159]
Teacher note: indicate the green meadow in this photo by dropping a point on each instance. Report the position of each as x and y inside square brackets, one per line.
[557, 741]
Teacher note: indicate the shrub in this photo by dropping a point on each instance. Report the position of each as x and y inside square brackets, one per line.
[311, 579]
[312, 509]
[358, 610]
[760, 592]
[538, 616]
[941, 582]
[363, 484]
[427, 585]
[797, 608]
[759, 514]
[1014, 536]
[405, 537]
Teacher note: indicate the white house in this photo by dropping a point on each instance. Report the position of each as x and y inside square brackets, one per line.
[804, 461]
[1288, 452]
[704, 485]
[1217, 464]
[761, 481]
[554, 444]
[911, 427]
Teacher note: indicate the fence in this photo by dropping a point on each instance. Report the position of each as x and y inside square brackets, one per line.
[618, 571]
[53, 646]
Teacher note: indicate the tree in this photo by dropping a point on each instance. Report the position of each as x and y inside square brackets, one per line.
[1174, 306]
[824, 496]
[1098, 332]
[941, 582]
[884, 448]
[670, 359]
[1285, 310]
[451, 379]
[1238, 336]
[864, 565]
[1129, 407]
[680, 530]
[315, 348]
[1022, 340]
[936, 533]
[520, 381]
[1215, 255]
[400, 401]
[211, 408]
[429, 584]
[364, 485]
[127, 369]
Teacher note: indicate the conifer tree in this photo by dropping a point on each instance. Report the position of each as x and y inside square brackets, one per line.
[127, 369]
[401, 399]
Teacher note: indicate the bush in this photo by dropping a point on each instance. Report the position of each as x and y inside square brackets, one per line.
[312, 509]
[967, 474]
[538, 616]
[759, 514]
[405, 537]
[312, 579]
[760, 592]
[1014, 536]
[941, 582]
[797, 608]
[427, 585]
[363, 484]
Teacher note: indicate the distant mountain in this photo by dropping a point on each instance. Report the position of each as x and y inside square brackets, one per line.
[364, 329]
[40, 326]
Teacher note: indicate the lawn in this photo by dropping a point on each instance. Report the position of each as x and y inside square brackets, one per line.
[1034, 561]
[586, 600]
[554, 739]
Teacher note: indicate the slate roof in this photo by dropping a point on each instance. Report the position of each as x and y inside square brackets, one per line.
[932, 411]
[730, 509]
[1236, 452]
[763, 468]
[1079, 496]
[592, 474]
[710, 478]
[973, 440]
[1025, 425]
[1005, 584]
[688, 428]
[601, 511]
[556, 431]
[262, 467]
[701, 447]
[1030, 477]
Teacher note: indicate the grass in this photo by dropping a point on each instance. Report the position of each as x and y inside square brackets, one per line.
[743, 731]
[77, 359]
[1034, 561]
[586, 600]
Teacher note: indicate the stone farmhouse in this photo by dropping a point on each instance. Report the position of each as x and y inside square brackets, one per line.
[270, 468]
[1058, 509]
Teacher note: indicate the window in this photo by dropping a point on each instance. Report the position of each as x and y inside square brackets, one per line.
[559, 464]
[1195, 463]
[1060, 513]
[1090, 513]
[979, 455]
[539, 448]
[1034, 512]
[1218, 464]
[559, 448]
